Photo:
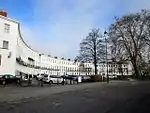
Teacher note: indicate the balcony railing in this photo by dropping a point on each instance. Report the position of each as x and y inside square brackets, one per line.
[20, 61]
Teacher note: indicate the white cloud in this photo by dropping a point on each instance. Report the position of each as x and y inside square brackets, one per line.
[61, 25]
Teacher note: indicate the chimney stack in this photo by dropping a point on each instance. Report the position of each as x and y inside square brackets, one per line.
[3, 13]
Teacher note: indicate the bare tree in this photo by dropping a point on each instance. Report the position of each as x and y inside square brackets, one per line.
[118, 56]
[130, 37]
[92, 48]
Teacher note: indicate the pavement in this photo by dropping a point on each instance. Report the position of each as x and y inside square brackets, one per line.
[115, 97]
[17, 94]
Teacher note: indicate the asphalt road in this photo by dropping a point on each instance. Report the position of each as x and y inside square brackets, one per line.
[117, 97]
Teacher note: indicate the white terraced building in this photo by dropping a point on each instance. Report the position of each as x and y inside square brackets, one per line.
[16, 57]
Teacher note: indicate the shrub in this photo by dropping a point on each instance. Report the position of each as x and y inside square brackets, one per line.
[96, 78]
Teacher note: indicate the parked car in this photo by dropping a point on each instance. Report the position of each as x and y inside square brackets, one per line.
[53, 79]
[40, 76]
[96, 78]
[86, 78]
[9, 79]
[71, 77]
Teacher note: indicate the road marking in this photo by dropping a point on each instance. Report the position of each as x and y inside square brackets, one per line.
[134, 83]
[56, 104]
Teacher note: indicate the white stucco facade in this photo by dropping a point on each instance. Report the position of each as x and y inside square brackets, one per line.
[18, 57]
[8, 55]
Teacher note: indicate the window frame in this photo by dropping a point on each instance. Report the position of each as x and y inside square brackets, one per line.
[6, 27]
[5, 43]
[0, 60]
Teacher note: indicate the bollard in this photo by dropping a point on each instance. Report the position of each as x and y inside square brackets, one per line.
[42, 82]
[70, 81]
[63, 82]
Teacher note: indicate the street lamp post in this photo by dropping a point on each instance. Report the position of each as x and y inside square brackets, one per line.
[106, 57]
[40, 63]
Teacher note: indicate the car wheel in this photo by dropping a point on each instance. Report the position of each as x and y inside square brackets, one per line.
[63, 82]
[4, 82]
[50, 82]
[18, 81]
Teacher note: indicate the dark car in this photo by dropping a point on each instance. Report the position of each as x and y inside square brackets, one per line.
[9, 79]
[86, 78]
[72, 77]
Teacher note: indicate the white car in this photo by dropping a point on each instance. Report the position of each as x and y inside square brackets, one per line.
[40, 76]
[53, 79]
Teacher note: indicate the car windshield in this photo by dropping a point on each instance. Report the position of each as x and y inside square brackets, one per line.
[18, 76]
[52, 76]
[9, 76]
[45, 75]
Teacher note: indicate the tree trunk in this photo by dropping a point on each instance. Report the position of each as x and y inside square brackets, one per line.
[95, 58]
[136, 71]
[137, 74]
[95, 66]
[121, 69]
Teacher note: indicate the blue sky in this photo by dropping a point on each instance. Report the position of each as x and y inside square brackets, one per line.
[57, 27]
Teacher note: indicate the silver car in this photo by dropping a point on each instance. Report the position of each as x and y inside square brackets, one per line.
[53, 79]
